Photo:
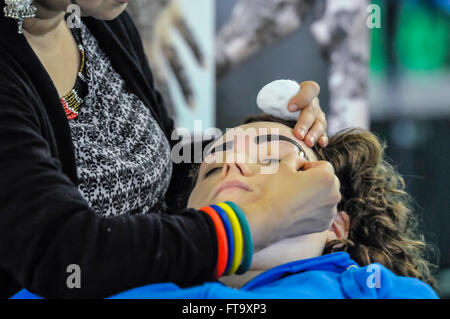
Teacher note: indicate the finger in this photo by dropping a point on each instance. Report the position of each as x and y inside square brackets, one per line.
[306, 119]
[322, 173]
[293, 162]
[319, 164]
[309, 90]
[316, 131]
[323, 140]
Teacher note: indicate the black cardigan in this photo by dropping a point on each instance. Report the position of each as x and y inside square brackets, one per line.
[45, 223]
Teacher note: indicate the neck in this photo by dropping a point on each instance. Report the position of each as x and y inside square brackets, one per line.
[47, 19]
[282, 252]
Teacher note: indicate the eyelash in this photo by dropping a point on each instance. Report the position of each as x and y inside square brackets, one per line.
[267, 161]
[270, 160]
[211, 171]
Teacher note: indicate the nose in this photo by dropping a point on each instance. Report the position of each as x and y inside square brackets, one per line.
[236, 161]
[236, 169]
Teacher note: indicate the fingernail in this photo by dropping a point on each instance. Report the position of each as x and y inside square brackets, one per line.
[301, 131]
[293, 108]
[324, 140]
[312, 139]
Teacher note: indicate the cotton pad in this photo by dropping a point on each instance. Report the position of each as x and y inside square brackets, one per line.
[274, 98]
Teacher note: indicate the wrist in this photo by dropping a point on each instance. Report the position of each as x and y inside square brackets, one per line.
[235, 242]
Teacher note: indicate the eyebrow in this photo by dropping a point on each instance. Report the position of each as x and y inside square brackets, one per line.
[222, 147]
[259, 140]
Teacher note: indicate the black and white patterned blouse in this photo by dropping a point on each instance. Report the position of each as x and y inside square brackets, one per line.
[123, 157]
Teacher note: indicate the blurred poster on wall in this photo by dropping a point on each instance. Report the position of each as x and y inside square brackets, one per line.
[178, 37]
[267, 39]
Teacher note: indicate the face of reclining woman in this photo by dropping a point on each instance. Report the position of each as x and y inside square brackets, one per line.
[237, 169]
[239, 164]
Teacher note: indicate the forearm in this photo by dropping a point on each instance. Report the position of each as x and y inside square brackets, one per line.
[46, 225]
[55, 229]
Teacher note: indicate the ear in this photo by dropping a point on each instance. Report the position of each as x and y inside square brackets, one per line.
[339, 228]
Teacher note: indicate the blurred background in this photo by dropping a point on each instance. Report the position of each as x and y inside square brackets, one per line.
[211, 58]
[409, 95]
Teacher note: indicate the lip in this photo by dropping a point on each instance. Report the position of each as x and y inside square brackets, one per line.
[232, 184]
[123, 1]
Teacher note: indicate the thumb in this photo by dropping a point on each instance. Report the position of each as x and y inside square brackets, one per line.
[292, 162]
[309, 90]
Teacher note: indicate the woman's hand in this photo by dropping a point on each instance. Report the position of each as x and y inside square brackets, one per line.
[294, 203]
[312, 123]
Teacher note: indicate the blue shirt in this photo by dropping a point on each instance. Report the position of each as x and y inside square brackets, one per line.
[333, 276]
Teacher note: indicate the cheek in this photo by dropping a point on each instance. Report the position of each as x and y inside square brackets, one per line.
[199, 196]
[240, 197]
[203, 192]
[193, 201]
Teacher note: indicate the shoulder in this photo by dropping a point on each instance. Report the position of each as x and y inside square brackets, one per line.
[207, 290]
[127, 22]
[10, 70]
[126, 31]
[15, 85]
[377, 281]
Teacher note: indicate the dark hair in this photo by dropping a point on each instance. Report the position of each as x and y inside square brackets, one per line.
[383, 227]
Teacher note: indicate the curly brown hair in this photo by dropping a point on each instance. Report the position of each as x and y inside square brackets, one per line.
[383, 227]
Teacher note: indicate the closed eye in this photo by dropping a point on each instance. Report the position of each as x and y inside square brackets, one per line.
[212, 171]
[271, 161]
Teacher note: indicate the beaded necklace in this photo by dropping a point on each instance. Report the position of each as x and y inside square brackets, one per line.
[72, 101]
